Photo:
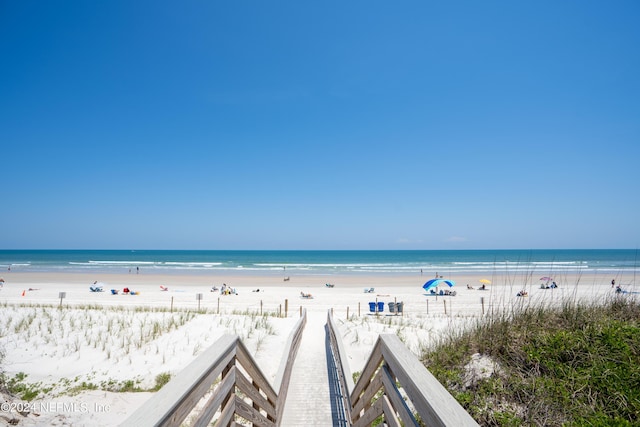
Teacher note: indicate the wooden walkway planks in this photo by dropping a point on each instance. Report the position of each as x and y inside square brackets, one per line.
[308, 400]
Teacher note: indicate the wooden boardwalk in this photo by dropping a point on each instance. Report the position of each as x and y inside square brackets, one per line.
[309, 400]
[313, 386]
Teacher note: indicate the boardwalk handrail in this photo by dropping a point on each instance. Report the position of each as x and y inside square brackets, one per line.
[286, 364]
[391, 367]
[224, 366]
[342, 364]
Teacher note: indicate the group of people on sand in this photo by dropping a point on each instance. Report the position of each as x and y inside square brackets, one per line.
[443, 292]
[553, 285]
[618, 288]
[125, 291]
[225, 290]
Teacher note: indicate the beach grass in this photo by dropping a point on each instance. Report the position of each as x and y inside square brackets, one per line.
[128, 338]
[577, 364]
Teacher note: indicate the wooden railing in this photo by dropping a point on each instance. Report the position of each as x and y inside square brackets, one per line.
[391, 371]
[224, 381]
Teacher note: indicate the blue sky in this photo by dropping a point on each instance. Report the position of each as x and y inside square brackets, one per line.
[320, 125]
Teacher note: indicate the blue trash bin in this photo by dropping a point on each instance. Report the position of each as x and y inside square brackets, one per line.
[372, 307]
[380, 306]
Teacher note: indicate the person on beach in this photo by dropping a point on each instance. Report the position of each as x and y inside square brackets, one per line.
[613, 283]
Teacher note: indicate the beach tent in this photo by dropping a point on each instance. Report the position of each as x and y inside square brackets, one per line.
[435, 282]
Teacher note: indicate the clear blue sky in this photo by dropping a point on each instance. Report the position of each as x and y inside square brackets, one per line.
[320, 125]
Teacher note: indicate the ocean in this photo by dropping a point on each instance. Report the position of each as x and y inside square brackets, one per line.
[323, 262]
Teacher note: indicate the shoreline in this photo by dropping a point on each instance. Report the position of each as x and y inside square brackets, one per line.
[177, 276]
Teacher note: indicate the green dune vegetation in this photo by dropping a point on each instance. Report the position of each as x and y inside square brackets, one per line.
[576, 365]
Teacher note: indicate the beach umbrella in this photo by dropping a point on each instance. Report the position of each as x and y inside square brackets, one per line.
[435, 282]
[485, 281]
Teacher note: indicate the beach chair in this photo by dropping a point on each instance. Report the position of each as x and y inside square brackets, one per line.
[392, 307]
[163, 288]
[329, 285]
[306, 296]
[369, 290]
[114, 292]
[95, 289]
[380, 306]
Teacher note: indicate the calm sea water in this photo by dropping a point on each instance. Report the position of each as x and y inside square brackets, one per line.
[446, 262]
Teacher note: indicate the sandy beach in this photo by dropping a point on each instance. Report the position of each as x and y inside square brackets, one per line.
[75, 348]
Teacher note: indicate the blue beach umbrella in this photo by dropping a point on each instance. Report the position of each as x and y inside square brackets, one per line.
[435, 282]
